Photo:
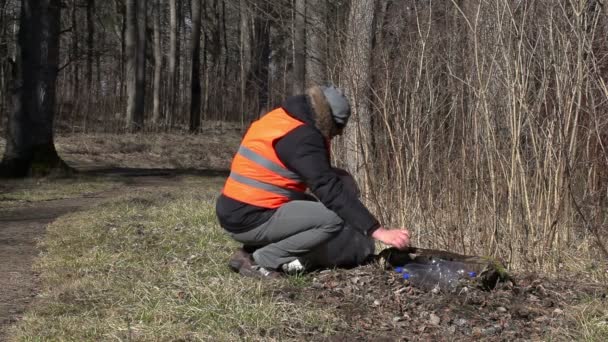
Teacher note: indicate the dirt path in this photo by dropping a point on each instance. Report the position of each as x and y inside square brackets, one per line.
[19, 231]
[21, 228]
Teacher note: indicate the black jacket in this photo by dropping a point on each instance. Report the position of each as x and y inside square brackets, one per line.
[304, 152]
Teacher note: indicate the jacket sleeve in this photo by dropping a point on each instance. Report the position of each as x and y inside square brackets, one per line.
[303, 151]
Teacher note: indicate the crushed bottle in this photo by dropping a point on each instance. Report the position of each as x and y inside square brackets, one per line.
[444, 274]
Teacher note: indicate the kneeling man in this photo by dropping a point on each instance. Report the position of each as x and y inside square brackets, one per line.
[264, 204]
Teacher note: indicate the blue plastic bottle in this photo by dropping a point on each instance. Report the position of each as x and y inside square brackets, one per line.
[438, 273]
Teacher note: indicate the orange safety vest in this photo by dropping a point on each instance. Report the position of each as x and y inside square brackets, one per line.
[257, 175]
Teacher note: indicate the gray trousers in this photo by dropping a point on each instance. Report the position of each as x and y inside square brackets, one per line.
[295, 229]
[308, 231]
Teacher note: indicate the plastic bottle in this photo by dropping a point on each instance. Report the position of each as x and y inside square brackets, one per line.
[424, 276]
[437, 273]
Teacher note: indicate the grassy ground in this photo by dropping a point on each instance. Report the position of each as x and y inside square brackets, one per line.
[152, 266]
[15, 193]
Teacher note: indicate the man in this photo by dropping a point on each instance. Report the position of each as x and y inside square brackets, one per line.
[264, 204]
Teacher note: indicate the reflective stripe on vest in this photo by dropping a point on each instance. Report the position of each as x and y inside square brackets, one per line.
[267, 163]
[292, 195]
[258, 177]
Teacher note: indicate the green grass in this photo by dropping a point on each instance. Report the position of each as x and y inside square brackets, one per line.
[152, 266]
[46, 189]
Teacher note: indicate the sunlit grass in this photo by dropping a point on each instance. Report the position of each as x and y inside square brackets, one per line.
[153, 266]
[46, 189]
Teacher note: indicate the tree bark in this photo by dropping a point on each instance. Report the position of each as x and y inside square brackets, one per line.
[90, 47]
[121, 30]
[141, 63]
[75, 81]
[158, 63]
[299, 47]
[245, 55]
[316, 41]
[358, 77]
[5, 57]
[195, 53]
[131, 61]
[172, 62]
[261, 61]
[135, 46]
[30, 150]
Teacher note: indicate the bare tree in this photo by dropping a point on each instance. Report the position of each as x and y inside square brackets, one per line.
[357, 74]
[141, 63]
[75, 77]
[135, 46]
[261, 59]
[121, 28]
[316, 41]
[245, 53]
[90, 46]
[30, 149]
[195, 54]
[158, 62]
[173, 56]
[299, 47]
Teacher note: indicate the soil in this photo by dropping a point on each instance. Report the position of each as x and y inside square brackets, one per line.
[19, 230]
[377, 304]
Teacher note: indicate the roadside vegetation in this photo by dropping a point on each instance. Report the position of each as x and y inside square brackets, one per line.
[24, 192]
[152, 266]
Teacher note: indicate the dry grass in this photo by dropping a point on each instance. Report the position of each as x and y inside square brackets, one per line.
[591, 320]
[152, 266]
[162, 150]
[212, 149]
[490, 130]
[14, 193]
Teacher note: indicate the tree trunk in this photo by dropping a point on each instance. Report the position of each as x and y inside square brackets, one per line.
[30, 150]
[141, 63]
[245, 55]
[121, 30]
[4, 60]
[299, 47]
[75, 89]
[195, 53]
[261, 61]
[358, 76]
[90, 48]
[316, 41]
[131, 62]
[135, 46]
[172, 63]
[158, 62]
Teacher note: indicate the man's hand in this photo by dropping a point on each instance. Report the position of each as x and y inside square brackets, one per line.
[399, 238]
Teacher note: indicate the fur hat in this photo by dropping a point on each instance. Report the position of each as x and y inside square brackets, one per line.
[331, 108]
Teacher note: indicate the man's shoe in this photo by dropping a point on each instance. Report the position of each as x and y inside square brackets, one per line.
[238, 259]
[293, 267]
[243, 263]
[257, 271]
[250, 248]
